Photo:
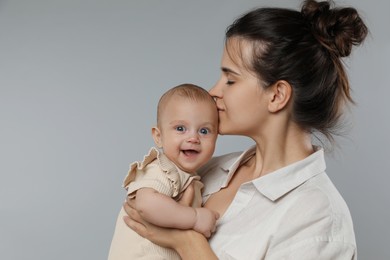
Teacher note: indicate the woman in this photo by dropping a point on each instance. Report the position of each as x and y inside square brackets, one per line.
[282, 80]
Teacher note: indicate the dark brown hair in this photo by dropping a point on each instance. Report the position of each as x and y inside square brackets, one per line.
[305, 49]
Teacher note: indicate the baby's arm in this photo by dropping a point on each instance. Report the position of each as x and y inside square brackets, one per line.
[164, 211]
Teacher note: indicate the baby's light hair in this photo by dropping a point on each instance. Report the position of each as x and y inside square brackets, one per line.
[187, 91]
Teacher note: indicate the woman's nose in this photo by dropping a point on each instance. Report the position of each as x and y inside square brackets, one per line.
[215, 91]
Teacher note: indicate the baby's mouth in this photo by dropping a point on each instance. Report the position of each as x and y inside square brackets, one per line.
[190, 152]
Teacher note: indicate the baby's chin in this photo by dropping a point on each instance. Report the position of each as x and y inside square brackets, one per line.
[188, 169]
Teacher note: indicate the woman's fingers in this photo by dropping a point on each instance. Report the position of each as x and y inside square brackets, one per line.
[129, 205]
[126, 207]
[131, 202]
[134, 220]
[138, 227]
[158, 235]
[132, 212]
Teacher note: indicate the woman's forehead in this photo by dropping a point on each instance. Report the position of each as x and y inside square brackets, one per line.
[240, 52]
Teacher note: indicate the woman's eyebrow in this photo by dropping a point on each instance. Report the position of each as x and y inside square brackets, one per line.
[227, 70]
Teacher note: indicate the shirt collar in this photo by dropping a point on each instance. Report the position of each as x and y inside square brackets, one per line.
[276, 184]
[230, 166]
[284, 180]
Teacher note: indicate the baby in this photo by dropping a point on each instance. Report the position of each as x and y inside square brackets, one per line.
[186, 132]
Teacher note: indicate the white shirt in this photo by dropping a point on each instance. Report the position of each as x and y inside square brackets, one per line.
[292, 213]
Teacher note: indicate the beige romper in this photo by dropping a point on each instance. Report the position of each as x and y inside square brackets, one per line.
[158, 172]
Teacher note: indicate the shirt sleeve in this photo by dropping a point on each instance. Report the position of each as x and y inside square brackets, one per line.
[316, 248]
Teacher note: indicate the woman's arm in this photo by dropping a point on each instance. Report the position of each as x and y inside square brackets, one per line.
[189, 244]
[162, 210]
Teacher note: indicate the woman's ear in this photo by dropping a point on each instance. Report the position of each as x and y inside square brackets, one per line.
[156, 133]
[281, 93]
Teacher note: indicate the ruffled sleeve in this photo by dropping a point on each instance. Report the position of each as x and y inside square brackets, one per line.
[158, 172]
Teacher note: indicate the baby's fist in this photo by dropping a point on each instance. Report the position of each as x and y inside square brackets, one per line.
[205, 221]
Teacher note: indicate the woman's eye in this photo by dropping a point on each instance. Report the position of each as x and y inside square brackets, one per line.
[204, 131]
[180, 128]
[229, 82]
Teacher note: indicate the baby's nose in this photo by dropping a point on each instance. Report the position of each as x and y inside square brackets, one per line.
[193, 139]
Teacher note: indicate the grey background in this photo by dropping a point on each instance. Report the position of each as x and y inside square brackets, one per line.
[79, 82]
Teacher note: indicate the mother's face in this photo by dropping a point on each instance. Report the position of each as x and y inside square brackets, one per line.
[240, 98]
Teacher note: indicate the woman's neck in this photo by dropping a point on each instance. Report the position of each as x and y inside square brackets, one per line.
[280, 148]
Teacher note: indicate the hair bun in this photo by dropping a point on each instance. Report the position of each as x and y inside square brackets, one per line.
[337, 29]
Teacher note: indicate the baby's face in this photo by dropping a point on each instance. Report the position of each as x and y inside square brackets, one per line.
[188, 132]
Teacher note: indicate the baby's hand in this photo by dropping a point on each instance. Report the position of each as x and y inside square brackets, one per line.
[205, 221]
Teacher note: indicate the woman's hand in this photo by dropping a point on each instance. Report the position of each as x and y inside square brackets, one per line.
[188, 243]
[165, 237]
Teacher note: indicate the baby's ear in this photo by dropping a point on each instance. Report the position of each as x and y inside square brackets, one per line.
[156, 133]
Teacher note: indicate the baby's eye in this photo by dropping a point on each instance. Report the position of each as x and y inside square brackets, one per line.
[180, 128]
[204, 131]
